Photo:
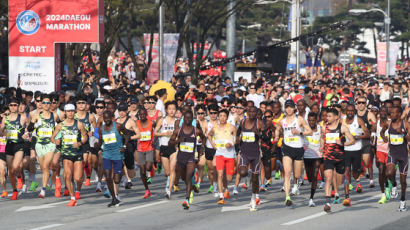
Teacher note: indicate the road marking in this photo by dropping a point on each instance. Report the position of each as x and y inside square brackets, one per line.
[47, 226]
[142, 206]
[323, 213]
[29, 208]
[237, 208]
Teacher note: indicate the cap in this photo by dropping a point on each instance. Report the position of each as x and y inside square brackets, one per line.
[123, 107]
[69, 107]
[192, 87]
[103, 80]
[289, 103]
[133, 100]
[301, 87]
[189, 102]
[107, 87]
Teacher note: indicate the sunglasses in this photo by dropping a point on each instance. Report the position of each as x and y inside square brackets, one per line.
[149, 102]
[13, 105]
[46, 103]
[213, 113]
[268, 116]
[200, 113]
[81, 102]
[38, 101]
[252, 88]
[334, 102]
[99, 107]
[200, 100]
[239, 107]
[179, 99]
[55, 102]
[361, 102]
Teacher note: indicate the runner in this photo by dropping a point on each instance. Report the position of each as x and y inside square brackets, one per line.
[210, 152]
[221, 137]
[199, 175]
[292, 127]
[398, 131]
[96, 152]
[267, 147]
[332, 148]
[73, 136]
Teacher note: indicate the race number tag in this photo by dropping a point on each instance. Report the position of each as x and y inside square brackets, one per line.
[331, 138]
[69, 139]
[109, 138]
[187, 147]
[248, 137]
[12, 134]
[292, 139]
[220, 144]
[396, 139]
[44, 132]
[3, 142]
[145, 136]
[312, 140]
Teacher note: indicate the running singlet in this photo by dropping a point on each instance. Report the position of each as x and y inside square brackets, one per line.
[189, 145]
[312, 145]
[14, 129]
[207, 143]
[144, 143]
[69, 135]
[267, 140]
[165, 127]
[153, 118]
[112, 142]
[249, 144]
[223, 137]
[276, 121]
[381, 145]
[355, 130]
[332, 150]
[85, 121]
[289, 139]
[397, 142]
[45, 129]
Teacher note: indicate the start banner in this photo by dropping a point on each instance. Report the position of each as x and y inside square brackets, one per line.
[35, 29]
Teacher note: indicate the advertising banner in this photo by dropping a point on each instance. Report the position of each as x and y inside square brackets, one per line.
[381, 57]
[35, 26]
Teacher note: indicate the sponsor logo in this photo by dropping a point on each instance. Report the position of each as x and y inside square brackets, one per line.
[28, 22]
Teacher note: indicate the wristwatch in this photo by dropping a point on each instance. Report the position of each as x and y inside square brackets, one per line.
[301, 133]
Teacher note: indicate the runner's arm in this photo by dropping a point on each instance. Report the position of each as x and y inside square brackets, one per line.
[158, 127]
[366, 132]
[55, 132]
[384, 128]
[306, 127]
[348, 135]
[84, 135]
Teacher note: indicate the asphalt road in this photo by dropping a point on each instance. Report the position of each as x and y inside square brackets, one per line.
[30, 212]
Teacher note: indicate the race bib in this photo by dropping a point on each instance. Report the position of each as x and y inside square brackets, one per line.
[12, 134]
[187, 147]
[292, 139]
[69, 139]
[44, 132]
[331, 138]
[248, 137]
[220, 144]
[109, 138]
[145, 136]
[3, 142]
[396, 139]
[312, 140]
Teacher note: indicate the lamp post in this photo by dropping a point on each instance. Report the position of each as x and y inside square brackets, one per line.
[387, 25]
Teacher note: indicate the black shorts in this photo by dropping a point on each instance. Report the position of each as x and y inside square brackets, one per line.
[266, 158]
[367, 146]
[295, 154]
[310, 162]
[333, 164]
[73, 158]
[166, 151]
[237, 149]
[85, 148]
[353, 159]
[3, 157]
[129, 159]
[27, 148]
[94, 151]
[210, 153]
[401, 159]
[12, 148]
[184, 158]
[254, 161]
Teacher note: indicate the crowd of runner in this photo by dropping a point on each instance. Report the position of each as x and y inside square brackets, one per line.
[329, 127]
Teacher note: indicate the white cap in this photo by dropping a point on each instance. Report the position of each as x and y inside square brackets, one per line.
[69, 107]
[107, 87]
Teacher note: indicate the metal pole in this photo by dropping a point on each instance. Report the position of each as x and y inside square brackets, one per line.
[161, 41]
[387, 22]
[293, 33]
[243, 45]
[230, 38]
[297, 42]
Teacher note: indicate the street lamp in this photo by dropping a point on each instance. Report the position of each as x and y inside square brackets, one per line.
[387, 24]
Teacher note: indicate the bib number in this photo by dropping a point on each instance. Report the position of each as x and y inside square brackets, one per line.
[331, 138]
[248, 137]
[187, 147]
[292, 139]
[109, 138]
[3, 142]
[312, 140]
[44, 132]
[396, 139]
[12, 135]
[145, 136]
[69, 139]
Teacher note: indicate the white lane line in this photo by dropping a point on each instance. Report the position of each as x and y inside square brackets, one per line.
[142, 206]
[237, 208]
[29, 208]
[47, 226]
[324, 213]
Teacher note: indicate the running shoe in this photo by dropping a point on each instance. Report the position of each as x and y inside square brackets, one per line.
[347, 202]
[359, 188]
[402, 207]
[216, 194]
[244, 186]
[196, 177]
[19, 182]
[268, 182]
[176, 188]
[147, 194]
[262, 188]
[191, 197]
[221, 201]
[185, 204]
[168, 195]
[226, 194]
[196, 188]
[277, 175]
[128, 185]
[107, 193]
[253, 206]
[288, 201]
[33, 186]
[152, 172]
[332, 194]
[72, 203]
[66, 192]
[382, 200]
[57, 192]
[149, 180]
[77, 195]
[387, 191]
[322, 185]
[394, 193]
[114, 203]
[48, 188]
[4, 194]
[14, 196]
[42, 194]
[350, 187]
[371, 184]
[235, 191]
[211, 189]
[327, 208]
[258, 201]
[58, 183]
[24, 189]
[295, 190]
[159, 169]
[98, 188]
[87, 182]
[282, 189]
[336, 200]
[311, 203]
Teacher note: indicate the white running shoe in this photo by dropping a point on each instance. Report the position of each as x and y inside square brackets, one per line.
[24, 188]
[295, 190]
[394, 193]
[322, 185]
[168, 195]
[216, 194]
[235, 191]
[402, 207]
[253, 205]
[118, 197]
[311, 203]
[282, 189]
[98, 189]
[123, 183]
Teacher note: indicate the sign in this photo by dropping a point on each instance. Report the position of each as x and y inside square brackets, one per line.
[35, 29]
[344, 58]
[381, 57]
[170, 52]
